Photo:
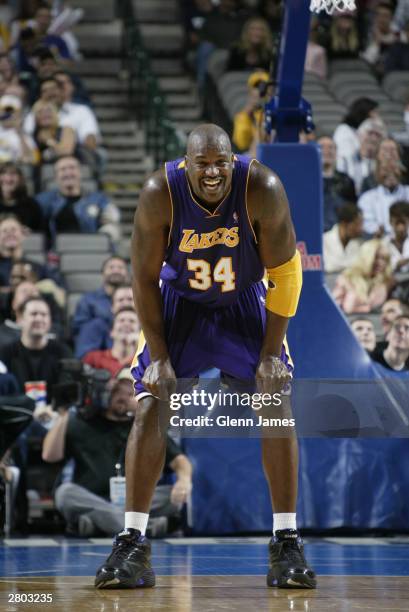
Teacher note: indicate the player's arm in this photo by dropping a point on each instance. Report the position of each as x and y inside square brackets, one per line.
[149, 240]
[270, 217]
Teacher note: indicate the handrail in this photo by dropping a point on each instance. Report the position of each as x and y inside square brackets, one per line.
[146, 97]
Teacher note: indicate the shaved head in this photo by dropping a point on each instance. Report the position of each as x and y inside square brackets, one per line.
[208, 135]
[209, 164]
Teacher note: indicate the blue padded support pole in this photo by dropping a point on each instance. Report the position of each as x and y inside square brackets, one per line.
[294, 39]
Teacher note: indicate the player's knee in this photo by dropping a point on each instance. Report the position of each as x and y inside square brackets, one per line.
[150, 417]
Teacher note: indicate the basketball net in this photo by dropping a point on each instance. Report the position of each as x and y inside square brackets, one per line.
[330, 6]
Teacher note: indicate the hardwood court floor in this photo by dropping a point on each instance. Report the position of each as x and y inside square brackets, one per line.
[207, 575]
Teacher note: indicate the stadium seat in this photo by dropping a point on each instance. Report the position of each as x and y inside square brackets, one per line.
[350, 65]
[72, 301]
[80, 243]
[81, 262]
[35, 256]
[396, 85]
[217, 63]
[79, 283]
[34, 243]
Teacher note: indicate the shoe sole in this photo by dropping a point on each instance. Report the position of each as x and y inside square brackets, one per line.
[300, 581]
[144, 581]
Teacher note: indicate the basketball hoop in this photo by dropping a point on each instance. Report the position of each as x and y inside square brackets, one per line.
[330, 6]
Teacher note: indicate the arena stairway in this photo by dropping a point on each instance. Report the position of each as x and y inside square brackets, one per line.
[163, 37]
[100, 37]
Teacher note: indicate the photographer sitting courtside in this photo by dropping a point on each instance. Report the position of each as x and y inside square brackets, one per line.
[97, 444]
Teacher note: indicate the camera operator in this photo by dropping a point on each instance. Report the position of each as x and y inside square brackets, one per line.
[97, 444]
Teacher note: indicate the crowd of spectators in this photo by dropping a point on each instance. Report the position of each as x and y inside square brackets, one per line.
[49, 136]
[365, 179]
[51, 163]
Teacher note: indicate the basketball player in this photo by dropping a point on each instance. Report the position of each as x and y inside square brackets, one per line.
[218, 221]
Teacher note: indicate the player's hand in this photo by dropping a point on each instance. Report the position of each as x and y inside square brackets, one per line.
[180, 492]
[160, 379]
[272, 375]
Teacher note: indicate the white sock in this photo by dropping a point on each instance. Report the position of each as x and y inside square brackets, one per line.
[284, 520]
[136, 520]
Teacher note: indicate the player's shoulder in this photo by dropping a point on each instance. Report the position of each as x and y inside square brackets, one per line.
[262, 181]
[154, 199]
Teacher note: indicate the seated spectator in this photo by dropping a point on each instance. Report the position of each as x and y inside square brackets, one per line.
[48, 66]
[10, 329]
[344, 37]
[398, 242]
[247, 122]
[363, 163]
[338, 187]
[389, 150]
[316, 57]
[69, 209]
[364, 286]
[364, 331]
[23, 51]
[401, 15]
[125, 334]
[391, 310]
[397, 56]
[8, 74]
[97, 304]
[97, 445]
[49, 290]
[11, 247]
[95, 335]
[375, 203]
[14, 144]
[221, 29]
[80, 118]
[342, 243]
[41, 25]
[380, 36]
[14, 198]
[396, 354]
[254, 49]
[50, 91]
[35, 358]
[346, 135]
[52, 139]
[194, 17]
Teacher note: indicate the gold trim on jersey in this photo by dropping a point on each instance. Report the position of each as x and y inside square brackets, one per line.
[171, 205]
[139, 350]
[245, 199]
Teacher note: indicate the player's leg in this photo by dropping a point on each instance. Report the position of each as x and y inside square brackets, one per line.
[128, 565]
[244, 323]
[288, 566]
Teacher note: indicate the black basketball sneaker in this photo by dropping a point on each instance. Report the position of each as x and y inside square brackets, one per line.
[288, 567]
[129, 564]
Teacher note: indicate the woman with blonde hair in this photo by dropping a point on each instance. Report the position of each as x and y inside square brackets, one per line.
[344, 39]
[53, 141]
[366, 284]
[254, 50]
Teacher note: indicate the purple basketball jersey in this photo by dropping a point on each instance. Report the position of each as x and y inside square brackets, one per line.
[212, 255]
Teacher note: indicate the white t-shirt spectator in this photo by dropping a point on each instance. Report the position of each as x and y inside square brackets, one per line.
[79, 117]
[375, 205]
[396, 255]
[10, 145]
[336, 256]
[348, 145]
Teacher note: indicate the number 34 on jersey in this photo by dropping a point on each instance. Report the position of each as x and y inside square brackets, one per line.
[204, 276]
